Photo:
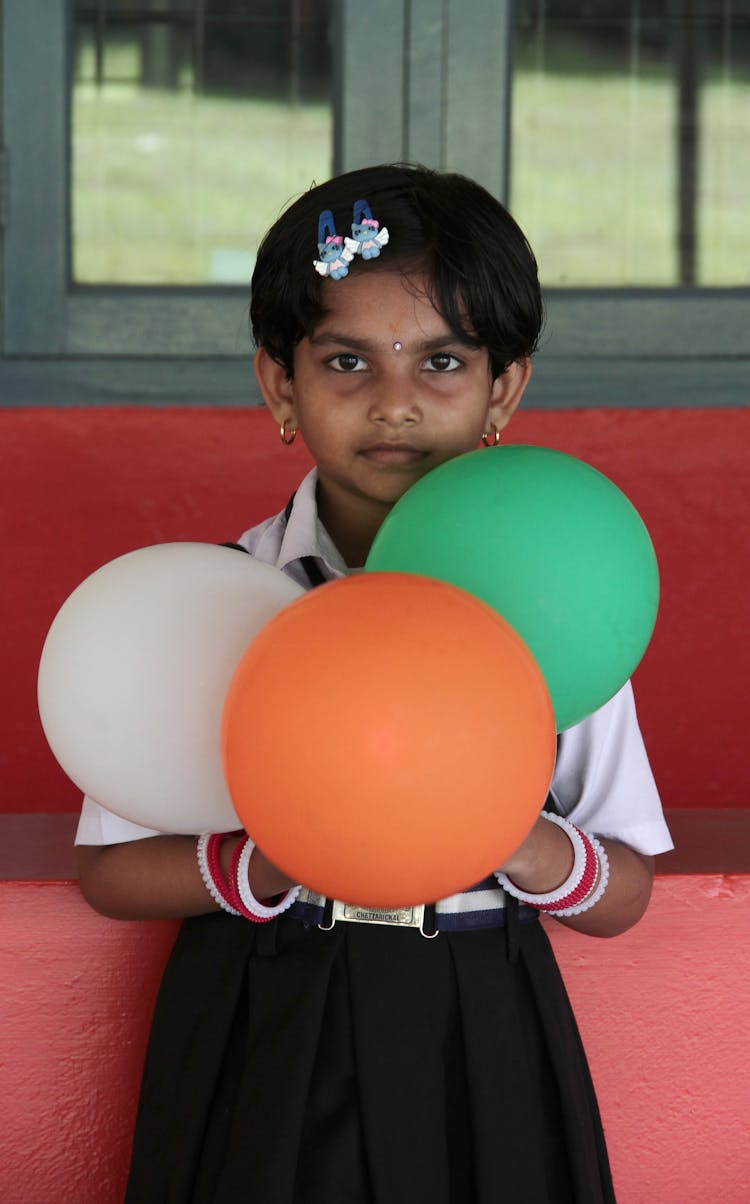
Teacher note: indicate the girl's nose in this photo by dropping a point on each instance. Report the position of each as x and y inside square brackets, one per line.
[394, 403]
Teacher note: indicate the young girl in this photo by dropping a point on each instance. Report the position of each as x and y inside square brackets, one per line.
[296, 1061]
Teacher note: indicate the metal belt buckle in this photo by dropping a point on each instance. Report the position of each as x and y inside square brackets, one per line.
[400, 917]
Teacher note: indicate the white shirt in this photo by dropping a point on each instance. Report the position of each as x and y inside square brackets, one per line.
[602, 780]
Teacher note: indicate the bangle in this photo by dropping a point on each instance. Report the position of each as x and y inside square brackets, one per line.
[585, 884]
[233, 894]
[583, 868]
[599, 887]
[213, 879]
[252, 908]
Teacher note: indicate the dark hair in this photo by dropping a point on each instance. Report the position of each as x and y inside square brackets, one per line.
[481, 271]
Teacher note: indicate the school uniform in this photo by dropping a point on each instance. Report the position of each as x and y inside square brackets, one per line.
[431, 1061]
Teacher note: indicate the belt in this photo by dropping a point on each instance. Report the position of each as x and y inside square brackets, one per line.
[482, 907]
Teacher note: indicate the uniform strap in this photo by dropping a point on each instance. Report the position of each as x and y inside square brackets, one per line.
[309, 563]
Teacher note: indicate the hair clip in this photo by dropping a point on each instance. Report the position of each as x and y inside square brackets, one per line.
[335, 257]
[367, 237]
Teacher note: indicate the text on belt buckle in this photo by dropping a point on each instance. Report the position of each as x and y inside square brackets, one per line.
[402, 917]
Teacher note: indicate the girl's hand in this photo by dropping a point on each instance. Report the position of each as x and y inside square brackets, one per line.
[159, 879]
[265, 879]
[545, 859]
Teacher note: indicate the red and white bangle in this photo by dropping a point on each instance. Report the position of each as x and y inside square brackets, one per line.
[208, 862]
[254, 908]
[233, 894]
[585, 884]
[600, 884]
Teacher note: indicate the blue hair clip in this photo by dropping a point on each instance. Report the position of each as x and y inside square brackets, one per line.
[335, 256]
[367, 237]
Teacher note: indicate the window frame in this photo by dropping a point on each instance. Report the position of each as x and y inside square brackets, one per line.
[382, 67]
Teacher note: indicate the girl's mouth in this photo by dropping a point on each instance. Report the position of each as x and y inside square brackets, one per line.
[393, 454]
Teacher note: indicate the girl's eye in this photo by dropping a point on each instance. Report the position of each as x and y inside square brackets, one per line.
[347, 362]
[442, 361]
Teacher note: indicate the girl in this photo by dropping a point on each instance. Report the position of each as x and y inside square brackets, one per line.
[296, 1061]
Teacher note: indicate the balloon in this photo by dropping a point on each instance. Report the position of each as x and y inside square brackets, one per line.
[388, 740]
[552, 545]
[134, 672]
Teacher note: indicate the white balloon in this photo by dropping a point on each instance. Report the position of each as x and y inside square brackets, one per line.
[134, 672]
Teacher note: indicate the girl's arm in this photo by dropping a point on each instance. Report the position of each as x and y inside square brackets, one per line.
[158, 878]
[545, 859]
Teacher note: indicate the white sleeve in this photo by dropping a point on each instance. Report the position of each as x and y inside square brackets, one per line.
[603, 781]
[99, 826]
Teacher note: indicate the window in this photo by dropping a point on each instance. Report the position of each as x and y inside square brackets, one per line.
[190, 124]
[151, 142]
[631, 141]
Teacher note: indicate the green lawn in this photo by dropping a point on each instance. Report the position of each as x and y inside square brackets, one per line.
[594, 179]
[168, 187]
[162, 181]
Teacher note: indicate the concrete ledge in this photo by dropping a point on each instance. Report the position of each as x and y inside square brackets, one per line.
[39, 847]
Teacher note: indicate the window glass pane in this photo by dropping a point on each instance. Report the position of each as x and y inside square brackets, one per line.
[193, 123]
[630, 159]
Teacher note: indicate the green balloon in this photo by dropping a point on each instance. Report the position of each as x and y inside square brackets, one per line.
[553, 546]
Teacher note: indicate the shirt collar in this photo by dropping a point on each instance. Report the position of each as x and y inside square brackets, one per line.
[305, 534]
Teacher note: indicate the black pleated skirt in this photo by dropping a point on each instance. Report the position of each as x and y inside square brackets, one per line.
[365, 1065]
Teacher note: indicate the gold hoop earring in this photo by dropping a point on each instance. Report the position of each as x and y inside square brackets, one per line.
[287, 436]
[491, 440]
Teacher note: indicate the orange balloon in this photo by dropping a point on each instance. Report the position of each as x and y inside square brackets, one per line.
[388, 740]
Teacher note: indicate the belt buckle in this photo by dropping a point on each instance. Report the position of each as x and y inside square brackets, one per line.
[399, 917]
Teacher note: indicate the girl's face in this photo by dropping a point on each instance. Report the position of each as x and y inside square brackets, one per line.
[384, 391]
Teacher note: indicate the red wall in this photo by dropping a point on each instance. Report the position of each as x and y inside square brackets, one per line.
[81, 486]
